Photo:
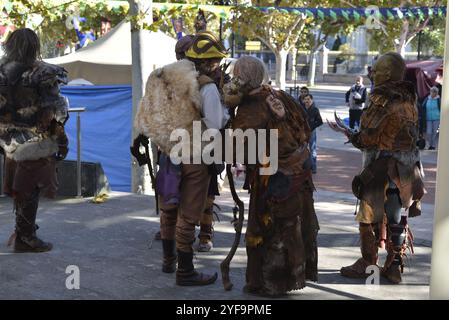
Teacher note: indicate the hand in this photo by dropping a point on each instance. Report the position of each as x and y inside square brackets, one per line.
[62, 153]
[232, 101]
[232, 95]
[334, 126]
[141, 140]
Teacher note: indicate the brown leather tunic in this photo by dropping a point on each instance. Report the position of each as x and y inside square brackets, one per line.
[391, 120]
[282, 224]
[387, 137]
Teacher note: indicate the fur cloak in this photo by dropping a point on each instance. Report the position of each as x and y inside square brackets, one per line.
[29, 98]
[172, 101]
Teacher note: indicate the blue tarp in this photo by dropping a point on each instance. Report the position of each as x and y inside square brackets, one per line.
[105, 129]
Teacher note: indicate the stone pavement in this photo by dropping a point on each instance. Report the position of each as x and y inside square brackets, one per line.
[111, 245]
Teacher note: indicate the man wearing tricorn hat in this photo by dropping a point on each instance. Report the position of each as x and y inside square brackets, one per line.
[206, 229]
[176, 96]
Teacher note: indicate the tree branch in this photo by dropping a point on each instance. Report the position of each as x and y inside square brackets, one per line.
[267, 43]
[289, 31]
[269, 30]
[321, 43]
[417, 29]
[295, 39]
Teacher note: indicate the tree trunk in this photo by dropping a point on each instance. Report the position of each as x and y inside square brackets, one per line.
[402, 50]
[281, 64]
[312, 68]
[294, 54]
[402, 42]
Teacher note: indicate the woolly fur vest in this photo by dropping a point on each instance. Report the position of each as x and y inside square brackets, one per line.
[172, 101]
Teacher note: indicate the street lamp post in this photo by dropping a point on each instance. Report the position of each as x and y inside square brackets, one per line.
[419, 44]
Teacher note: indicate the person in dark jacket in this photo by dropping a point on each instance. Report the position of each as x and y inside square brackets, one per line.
[314, 120]
[429, 121]
[304, 91]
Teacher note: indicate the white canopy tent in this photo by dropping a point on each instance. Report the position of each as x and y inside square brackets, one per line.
[108, 60]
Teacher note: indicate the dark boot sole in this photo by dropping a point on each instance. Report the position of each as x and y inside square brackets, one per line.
[168, 269]
[393, 281]
[354, 275]
[192, 283]
[32, 250]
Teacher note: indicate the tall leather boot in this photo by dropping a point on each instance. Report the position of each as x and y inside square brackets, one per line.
[369, 249]
[26, 239]
[186, 275]
[396, 247]
[169, 260]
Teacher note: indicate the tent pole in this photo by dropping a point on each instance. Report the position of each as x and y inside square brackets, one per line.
[439, 282]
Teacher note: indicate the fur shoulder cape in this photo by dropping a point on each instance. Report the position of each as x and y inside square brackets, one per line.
[172, 101]
[397, 91]
[27, 95]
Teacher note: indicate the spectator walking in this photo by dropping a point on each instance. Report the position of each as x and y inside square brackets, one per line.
[430, 116]
[314, 120]
[302, 93]
[355, 99]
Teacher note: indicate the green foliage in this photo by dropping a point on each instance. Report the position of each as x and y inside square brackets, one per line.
[277, 29]
[388, 38]
[432, 39]
[55, 15]
[285, 30]
[162, 19]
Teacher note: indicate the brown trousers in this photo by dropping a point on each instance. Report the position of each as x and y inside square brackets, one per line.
[25, 181]
[179, 223]
[22, 178]
[207, 218]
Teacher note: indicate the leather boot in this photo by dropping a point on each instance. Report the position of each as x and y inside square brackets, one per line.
[169, 260]
[394, 265]
[369, 249]
[186, 275]
[26, 239]
[396, 246]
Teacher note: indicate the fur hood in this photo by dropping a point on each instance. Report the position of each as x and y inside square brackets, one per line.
[397, 91]
[172, 101]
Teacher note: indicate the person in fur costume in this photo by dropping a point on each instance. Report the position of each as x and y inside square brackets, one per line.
[32, 117]
[205, 235]
[177, 96]
[391, 178]
[282, 225]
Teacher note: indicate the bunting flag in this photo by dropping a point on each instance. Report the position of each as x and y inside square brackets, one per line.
[318, 13]
[357, 13]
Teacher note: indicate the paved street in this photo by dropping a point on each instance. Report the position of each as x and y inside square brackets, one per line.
[111, 245]
[111, 242]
